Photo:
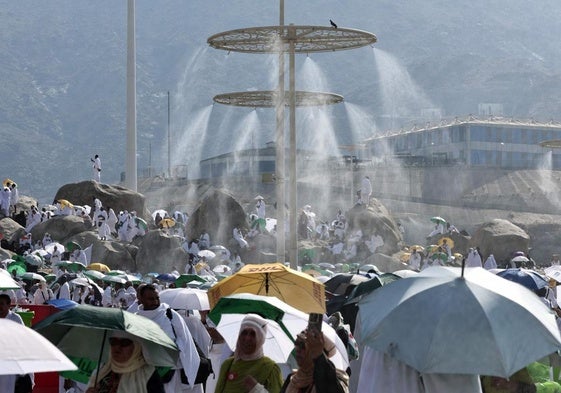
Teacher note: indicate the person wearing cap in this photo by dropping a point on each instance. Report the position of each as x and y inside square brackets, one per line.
[315, 373]
[126, 370]
[249, 370]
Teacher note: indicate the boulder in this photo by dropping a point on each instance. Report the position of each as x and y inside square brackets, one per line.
[61, 228]
[218, 213]
[386, 263]
[375, 220]
[11, 230]
[117, 197]
[500, 238]
[160, 253]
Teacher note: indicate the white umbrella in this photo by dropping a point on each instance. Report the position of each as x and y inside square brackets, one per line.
[206, 253]
[34, 260]
[6, 281]
[32, 276]
[94, 274]
[222, 269]
[50, 248]
[22, 351]
[553, 272]
[161, 211]
[270, 224]
[185, 298]
[81, 282]
[443, 321]
[284, 323]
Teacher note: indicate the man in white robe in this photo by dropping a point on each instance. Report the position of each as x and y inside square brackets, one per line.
[490, 262]
[176, 328]
[365, 191]
[96, 167]
[473, 259]
[14, 198]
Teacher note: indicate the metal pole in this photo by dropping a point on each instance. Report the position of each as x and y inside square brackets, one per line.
[292, 164]
[169, 141]
[131, 166]
[280, 150]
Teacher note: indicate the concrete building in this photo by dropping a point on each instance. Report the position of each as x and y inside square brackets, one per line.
[490, 143]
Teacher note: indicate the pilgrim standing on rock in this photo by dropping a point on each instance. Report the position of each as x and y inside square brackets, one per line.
[96, 168]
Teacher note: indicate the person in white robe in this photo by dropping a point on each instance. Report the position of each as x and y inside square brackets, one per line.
[5, 197]
[64, 291]
[438, 230]
[111, 219]
[374, 243]
[415, 260]
[176, 328]
[238, 236]
[201, 337]
[490, 262]
[473, 258]
[365, 191]
[96, 168]
[14, 198]
[260, 208]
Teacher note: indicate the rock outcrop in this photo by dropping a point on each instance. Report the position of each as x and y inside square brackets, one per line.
[500, 238]
[117, 197]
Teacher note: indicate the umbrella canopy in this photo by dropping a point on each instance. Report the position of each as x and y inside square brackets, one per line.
[94, 274]
[417, 247]
[34, 260]
[167, 277]
[83, 331]
[187, 278]
[114, 279]
[167, 223]
[553, 272]
[22, 351]
[6, 281]
[520, 258]
[74, 267]
[116, 272]
[17, 268]
[161, 211]
[339, 284]
[72, 246]
[284, 323]
[185, 298]
[100, 267]
[438, 220]
[141, 223]
[274, 279]
[206, 253]
[50, 248]
[32, 276]
[529, 278]
[449, 241]
[7, 181]
[443, 321]
[130, 277]
[65, 203]
[80, 281]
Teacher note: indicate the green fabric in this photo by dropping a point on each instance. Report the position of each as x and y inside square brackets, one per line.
[548, 387]
[264, 370]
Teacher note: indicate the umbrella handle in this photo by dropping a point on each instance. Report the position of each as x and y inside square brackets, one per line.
[99, 359]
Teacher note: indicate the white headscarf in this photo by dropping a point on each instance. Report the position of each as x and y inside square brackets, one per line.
[259, 326]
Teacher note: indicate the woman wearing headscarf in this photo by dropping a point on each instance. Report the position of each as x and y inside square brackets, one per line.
[249, 370]
[126, 371]
[315, 373]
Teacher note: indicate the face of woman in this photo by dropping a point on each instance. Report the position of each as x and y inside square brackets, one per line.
[247, 341]
[121, 349]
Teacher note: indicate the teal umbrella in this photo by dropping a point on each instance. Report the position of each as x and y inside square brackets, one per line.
[73, 267]
[438, 220]
[71, 246]
[141, 223]
[83, 332]
[187, 278]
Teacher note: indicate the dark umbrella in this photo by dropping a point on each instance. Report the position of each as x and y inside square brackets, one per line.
[342, 284]
[529, 278]
[167, 277]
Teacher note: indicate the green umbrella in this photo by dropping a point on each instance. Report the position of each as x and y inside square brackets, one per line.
[187, 278]
[94, 274]
[438, 220]
[71, 246]
[73, 267]
[50, 278]
[115, 273]
[15, 266]
[83, 331]
[141, 223]
[114, 279]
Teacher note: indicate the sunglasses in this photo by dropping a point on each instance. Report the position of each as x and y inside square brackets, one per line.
[122, 342]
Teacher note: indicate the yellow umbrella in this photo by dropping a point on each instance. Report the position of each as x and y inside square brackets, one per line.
[405, 257]
[458, 256]
[100, 267]
[298, 289]
[417, 247]
[65, 203]
[449, 241]
[8, 181]
[167, 222]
